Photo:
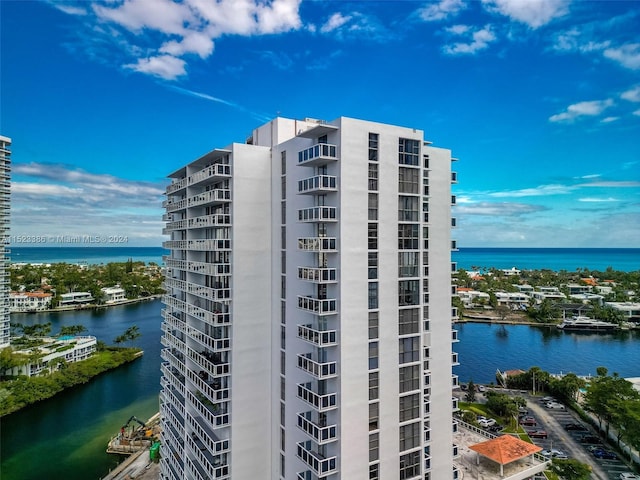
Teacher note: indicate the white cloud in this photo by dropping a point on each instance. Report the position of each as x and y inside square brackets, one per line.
[441, 10]
[164, 16]
[612, 183]
[534, 13]
[194, 42]
[504, 209]
[627, 55]
[458, 29]
[609, 119]
[633, 95]
[542, 190]
[480, 39]
[335, 21]
[598, 200]
[581, 109]
[41, 190]
[70, 10]
[164, 66]
[637, 113]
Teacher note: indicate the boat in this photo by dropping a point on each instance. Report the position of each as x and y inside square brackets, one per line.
[582, 323]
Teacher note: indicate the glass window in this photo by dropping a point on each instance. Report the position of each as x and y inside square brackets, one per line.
[409, 349]
[283, 162]
[408, 180]
[408, 263]
[408, 292]
[373, 416]
[408, 151]
[374, 472]
[373, 385]
[408, 321]
[407, 209]
[374, 445]
[373, 295]
[373, 325]
[409, 465]
[373, 265]
[373, 206]
[409, 436]
[409, 378]
[408, 236]
[373, 355]
[373, 176]
[409, 407]
[373, 236]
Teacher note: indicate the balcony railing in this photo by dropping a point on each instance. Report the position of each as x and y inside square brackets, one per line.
[200, 245]
[317, 306]
[319, 338]
[320, 371]
[317, 275]
[318, 214]
[218, 170]
[320, 464]
[318, 184]
[318, 154]
[317, 244]
[321, 402]
[176, 185]
[322, 434]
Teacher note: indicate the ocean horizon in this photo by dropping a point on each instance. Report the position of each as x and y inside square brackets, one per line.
[467, 258]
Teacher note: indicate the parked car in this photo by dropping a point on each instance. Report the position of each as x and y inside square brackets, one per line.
[575, 427]
[547, 399]
[597, 446]
[496, 428]
[589, 439]
[529, 421]
[555, 406]
[561, 457]
[487, 422]
[537, 434]
[606, 454]
[628, 476]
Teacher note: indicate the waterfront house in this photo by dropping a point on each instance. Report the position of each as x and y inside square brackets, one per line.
[470, 296]
[513, 300]
[29, 301]
[631, 310]
[113, 294]
[547, 293]
[75, 298]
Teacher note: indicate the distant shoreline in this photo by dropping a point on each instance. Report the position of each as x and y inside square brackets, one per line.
[76, 308]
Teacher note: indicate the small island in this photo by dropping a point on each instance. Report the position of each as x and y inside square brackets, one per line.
[37, 366]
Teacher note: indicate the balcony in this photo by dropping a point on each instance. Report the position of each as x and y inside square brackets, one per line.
[319, 464]
[317, 275]
[454, 359]
[216, 172]
[215, 220]
[319, 338]
[321, 402]
[318, 214]
[318, 184]
[176, 185]
[454, 177]
[318, 154]
[322, 434]
[211, 197]
[198, 245]
[454, 336]
[319, 371]
[317, 244]
[317, 306]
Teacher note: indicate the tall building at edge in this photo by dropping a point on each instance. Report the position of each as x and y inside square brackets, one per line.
[5, 170]
[307, 331]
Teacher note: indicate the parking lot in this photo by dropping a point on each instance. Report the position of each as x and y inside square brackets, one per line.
[575, 443]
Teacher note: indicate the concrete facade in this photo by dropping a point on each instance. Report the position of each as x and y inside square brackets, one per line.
[307, 328]
[5, 185]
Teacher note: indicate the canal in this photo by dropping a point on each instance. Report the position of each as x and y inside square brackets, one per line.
[66, 436]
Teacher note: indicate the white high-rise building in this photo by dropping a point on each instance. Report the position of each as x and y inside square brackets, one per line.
[307, 328]
[5, 185]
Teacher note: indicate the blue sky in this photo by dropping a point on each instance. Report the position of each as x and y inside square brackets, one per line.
[539, 99]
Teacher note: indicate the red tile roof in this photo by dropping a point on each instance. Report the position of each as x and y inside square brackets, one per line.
[505, 449]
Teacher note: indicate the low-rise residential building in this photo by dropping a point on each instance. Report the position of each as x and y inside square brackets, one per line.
[588, 298]
[513, 300]
[525, 288]
[75, 298]
[547, 293]
[576, 289]
[631, 310]
[68, 348]
[509, 272]
[29, 301]
[113, 294]
[469, 296]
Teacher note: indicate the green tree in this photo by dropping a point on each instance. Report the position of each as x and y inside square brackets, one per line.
[571, 469]
[471, 392]
[130, 334]
[72, 330]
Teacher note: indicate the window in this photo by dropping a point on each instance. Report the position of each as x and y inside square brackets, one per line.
[373, 236]
[409, 436]
[322, 139]
[373, 325]
[409, 408]
[373, 206]
[409, 350]
[373, 355]
[408, 236]
[373, 176]
[373, 295]
[373, 265]
[408, 180]
[283, 212]
[409, 378]
[408, 262]
[283, 262]
[407, 209]
[409, 465]
[408, 151]
[283, 238]
[374, 472]
[283, 162]
[374, 445]
[373, 147]
[373, 416]
[373, 385]
[408, 292]
[408, 321]
[283, 187]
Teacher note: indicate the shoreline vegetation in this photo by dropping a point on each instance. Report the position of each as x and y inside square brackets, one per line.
[22, 391]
